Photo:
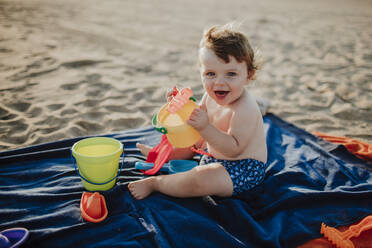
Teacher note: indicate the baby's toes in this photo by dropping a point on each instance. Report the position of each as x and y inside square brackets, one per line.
[131, 187]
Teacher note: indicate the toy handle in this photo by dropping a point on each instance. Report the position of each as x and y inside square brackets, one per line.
[148, 166]
[143, 165]
[155, 125]
[200, 151]
[356, 230]
[192, 98]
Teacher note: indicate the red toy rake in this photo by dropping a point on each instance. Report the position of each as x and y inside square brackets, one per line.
[342, 239]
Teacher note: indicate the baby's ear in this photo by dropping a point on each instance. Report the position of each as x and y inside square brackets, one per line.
[252, 74]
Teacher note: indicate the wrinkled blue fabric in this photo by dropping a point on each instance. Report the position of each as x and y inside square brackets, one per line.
[308, 181]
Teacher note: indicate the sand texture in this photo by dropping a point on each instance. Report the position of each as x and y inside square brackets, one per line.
[71, 68]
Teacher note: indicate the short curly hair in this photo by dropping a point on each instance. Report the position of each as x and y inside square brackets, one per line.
[226, 41]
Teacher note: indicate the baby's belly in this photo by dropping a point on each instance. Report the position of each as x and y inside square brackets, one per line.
[257, 154]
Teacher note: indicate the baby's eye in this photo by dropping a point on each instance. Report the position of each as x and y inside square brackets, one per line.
[231, 74]
[210, 74]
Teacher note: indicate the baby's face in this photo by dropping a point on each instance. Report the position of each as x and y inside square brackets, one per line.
[224, 82]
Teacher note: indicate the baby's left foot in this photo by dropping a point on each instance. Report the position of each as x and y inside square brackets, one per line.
[142, 188]
[144, 149]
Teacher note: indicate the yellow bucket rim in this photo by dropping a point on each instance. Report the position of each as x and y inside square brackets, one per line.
[74, 152]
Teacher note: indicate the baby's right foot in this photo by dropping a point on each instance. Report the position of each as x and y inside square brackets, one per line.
[142, 188]
[144, 149]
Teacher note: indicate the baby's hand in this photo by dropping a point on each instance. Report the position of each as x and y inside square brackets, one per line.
[171, 93]
[198, 119]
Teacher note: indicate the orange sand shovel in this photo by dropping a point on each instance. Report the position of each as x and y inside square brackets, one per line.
[93, 207]
[342, 239]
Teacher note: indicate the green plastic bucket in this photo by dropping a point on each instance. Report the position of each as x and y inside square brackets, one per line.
[97, 160]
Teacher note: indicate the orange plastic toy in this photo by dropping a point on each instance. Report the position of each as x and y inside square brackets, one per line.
[179, 99]
[93, 207]
[159, 155]
[359, 148]
[342, 239]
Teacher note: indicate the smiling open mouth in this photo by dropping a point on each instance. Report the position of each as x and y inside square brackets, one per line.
[221, 93]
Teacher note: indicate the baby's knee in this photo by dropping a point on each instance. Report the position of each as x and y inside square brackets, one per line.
[211, 178]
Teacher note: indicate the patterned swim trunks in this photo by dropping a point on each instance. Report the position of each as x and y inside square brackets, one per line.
[245, 174]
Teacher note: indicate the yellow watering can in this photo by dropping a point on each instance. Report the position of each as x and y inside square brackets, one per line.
[174, 125]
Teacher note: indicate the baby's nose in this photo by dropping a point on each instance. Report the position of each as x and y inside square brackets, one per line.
[220, 81]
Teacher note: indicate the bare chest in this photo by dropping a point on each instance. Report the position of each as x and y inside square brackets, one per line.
[220, 118]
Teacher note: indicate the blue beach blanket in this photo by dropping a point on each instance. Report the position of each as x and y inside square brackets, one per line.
[308, 181]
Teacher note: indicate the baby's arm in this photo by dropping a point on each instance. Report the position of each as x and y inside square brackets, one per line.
[232, 143]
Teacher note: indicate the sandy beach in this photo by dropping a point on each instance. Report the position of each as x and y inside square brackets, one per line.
[74, 68]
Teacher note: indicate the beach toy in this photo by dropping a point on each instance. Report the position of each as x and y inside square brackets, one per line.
[174, 166]
[201, 151]
[173, 124]
[342, 239]
[97, 160]
[159, 155]
[93, 207]
[179, 99]
[13, 237]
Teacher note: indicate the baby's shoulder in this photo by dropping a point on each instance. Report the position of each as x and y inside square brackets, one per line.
[247, 104]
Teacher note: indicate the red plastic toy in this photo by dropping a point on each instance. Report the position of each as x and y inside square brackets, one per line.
[342, 239]
[93, 207]
[159, 155]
